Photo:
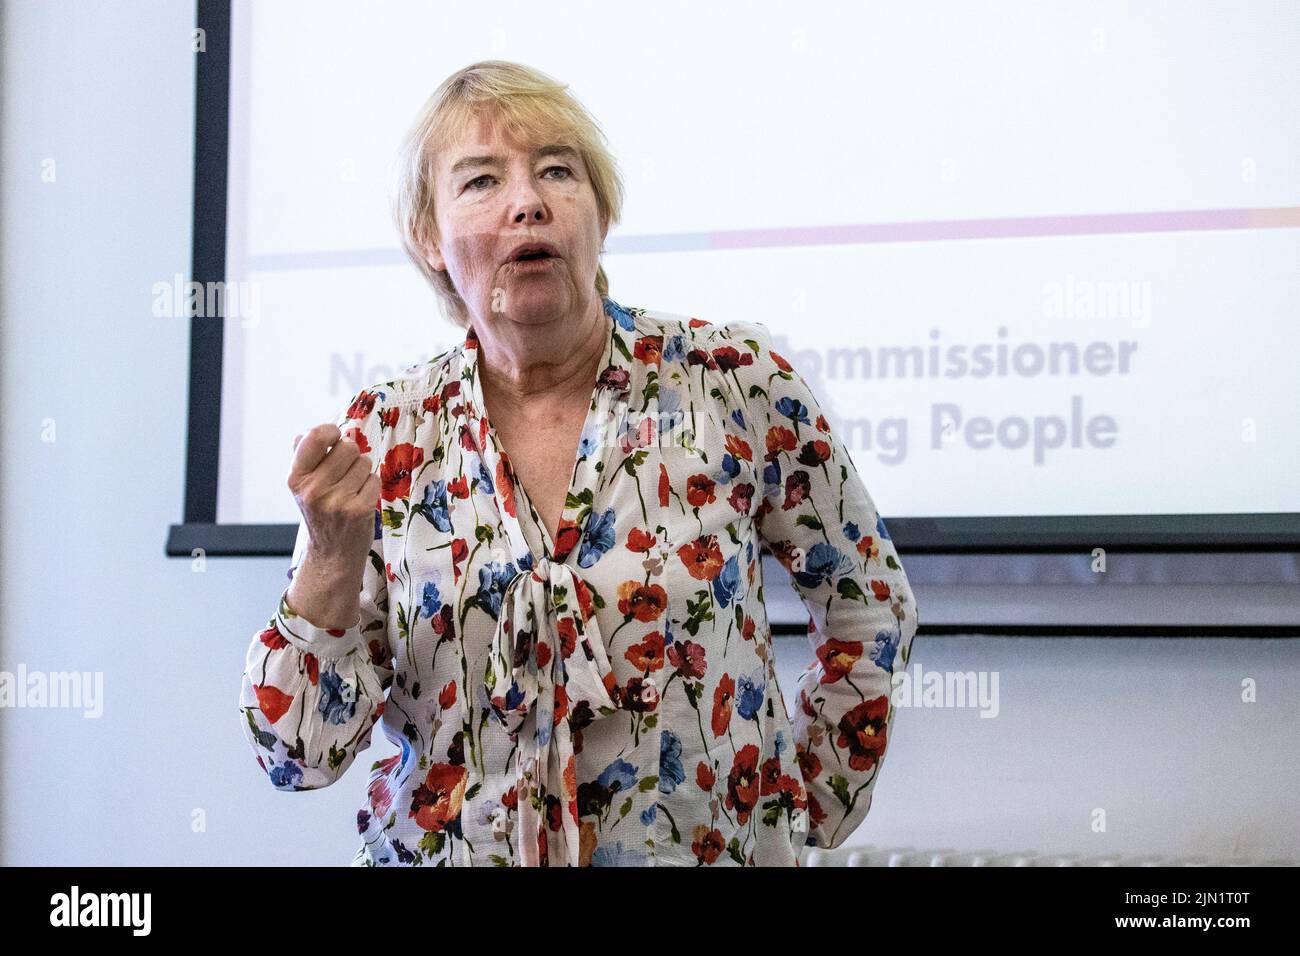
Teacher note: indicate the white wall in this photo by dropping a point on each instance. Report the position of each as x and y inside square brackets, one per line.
[1151, 730]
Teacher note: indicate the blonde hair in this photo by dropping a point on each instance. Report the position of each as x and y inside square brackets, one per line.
[535, 110]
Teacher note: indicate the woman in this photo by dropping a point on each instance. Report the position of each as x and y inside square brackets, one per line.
[579, 673]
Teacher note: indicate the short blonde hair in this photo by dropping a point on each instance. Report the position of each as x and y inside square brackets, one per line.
[535, 110]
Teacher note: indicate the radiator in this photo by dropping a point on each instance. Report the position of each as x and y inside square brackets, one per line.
[910, 856]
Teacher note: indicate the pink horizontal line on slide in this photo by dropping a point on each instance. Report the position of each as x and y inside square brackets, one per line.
[1118, 223]
[1010, 228]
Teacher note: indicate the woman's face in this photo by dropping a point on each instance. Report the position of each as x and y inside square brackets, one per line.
[494, 195]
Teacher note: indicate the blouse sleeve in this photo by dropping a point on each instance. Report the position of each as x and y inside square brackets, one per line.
[311, 696]
[820, 522]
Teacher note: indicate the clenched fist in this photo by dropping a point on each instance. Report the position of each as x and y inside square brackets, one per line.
[337, 491]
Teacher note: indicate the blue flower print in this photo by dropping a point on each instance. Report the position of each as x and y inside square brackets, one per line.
[597, 538]
[286, 776]
[493, 578]
[880, 528]
[727, 583]
[749, 695]
[729, 470]
[619, 315]
[793, 409]
[822, 562]
[434, 505]
[851, 531]
[338, 698]
[883, 650]
[619, 775]
[485, 484]
[617, 855]
[670, 762]
[430, 600]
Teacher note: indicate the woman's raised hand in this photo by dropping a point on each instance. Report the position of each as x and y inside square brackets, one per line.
[337, 491]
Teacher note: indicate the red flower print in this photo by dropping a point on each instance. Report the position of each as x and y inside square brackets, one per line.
[688, 658]
[723, 695]
[838, 658]
[699, 491]
[510, 799]
[816, 815]
[741, 497]
[388, 571]
[862, 730]
[701, 357]
[568, 634]
[813, 453]
[567, 539]
[649, 654]
[584, 598]
[447, 696]
[645, 602]
[704, 776]
[702, 557]
[648, 349]
[272, 701]
[695, 323]
[614, 377]
[780, 361]
[359, 437]
[880, 589]
[663, 486]
[739, 448]
[432, 404]
[395, 472]
[865, 546]
[779, 439]
[362, 406]
[728, 358]
[640, 695]
[643, 435]
[742, 782]
[810, 765]
[273, 639]
[797, 487]
[313, 669]
[805, 704]
[459, 552]
[506, 485]
[467, 439]
[707, 844]
[458, 487]
[640, 541]
[388, 417]
[381, 798]
[438, 800]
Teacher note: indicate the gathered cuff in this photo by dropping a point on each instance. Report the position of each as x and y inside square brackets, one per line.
[326, 643]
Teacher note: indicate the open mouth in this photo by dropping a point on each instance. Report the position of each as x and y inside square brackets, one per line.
[533, 252]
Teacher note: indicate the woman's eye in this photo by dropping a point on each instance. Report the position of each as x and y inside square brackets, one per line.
[568, 173]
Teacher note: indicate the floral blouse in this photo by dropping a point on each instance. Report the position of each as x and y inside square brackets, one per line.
[607, 698]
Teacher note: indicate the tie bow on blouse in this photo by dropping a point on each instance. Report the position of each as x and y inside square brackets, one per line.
[548, 676]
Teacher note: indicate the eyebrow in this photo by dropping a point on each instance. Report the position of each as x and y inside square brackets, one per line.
[473, 162]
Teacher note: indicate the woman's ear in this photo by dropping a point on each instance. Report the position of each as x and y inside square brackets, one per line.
[433, 255]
